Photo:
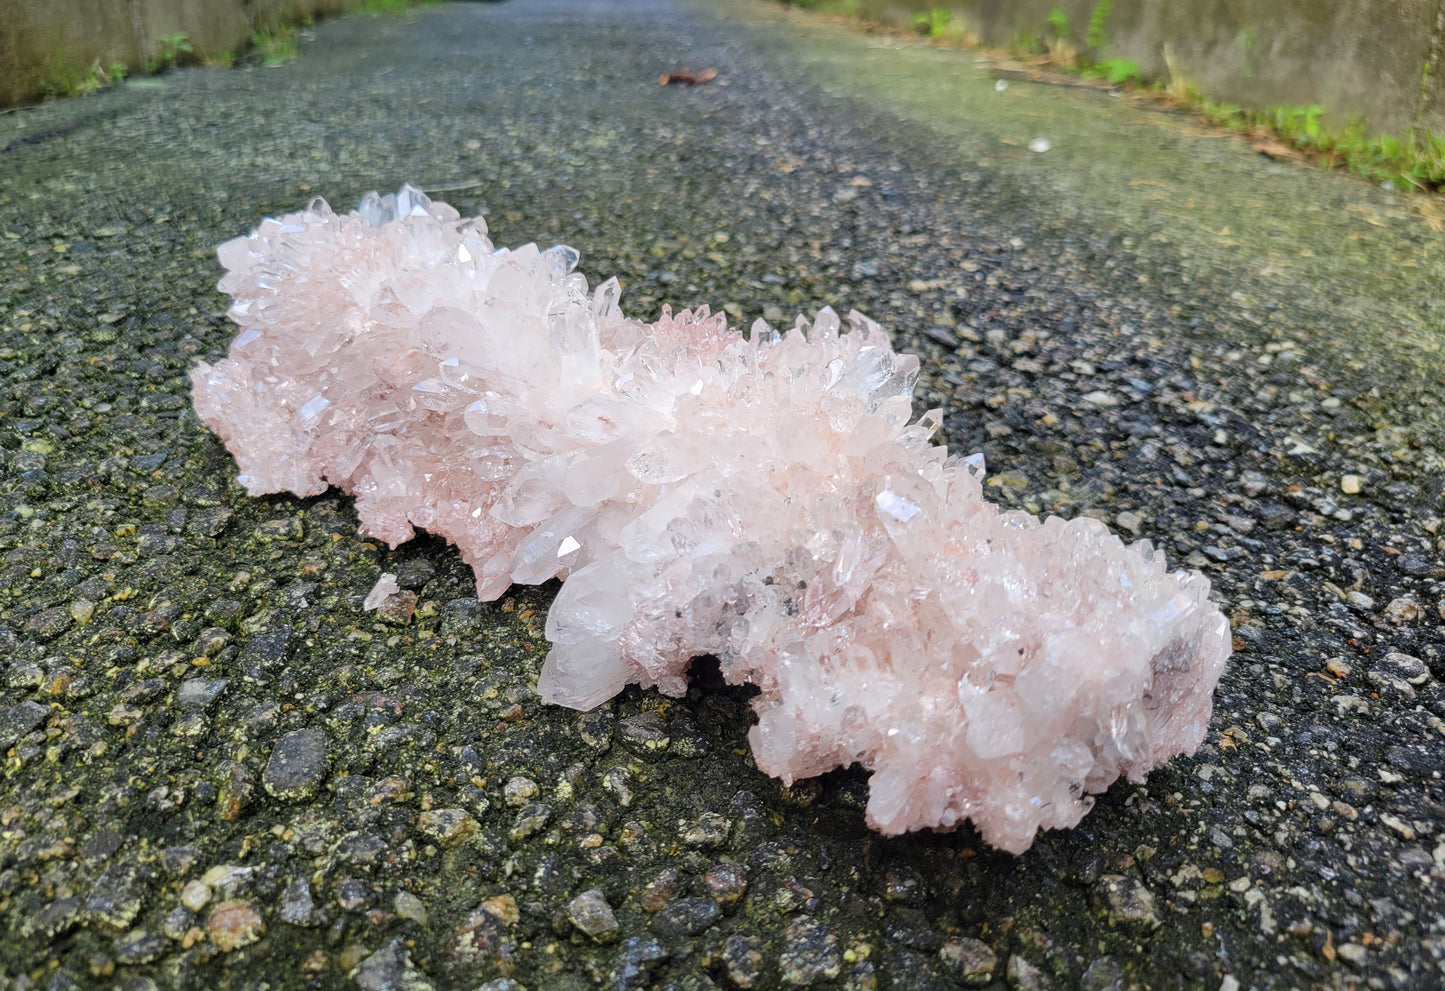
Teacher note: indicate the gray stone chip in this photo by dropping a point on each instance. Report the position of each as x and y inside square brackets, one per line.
[18, 720]
[390, 969]
[684, 918]
[200, 693]
[297, 766]
[297, 906]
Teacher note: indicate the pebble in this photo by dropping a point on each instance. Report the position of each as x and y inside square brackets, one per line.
[1252, 483]
[519, 791]
[685, 917]
[530, 819]
[810, 953]
[390, 969]
[117, 896]
[708, 832]
[1415, 564]
[195, 895]
[447, 828]
[177, 922]
[415, 574]
[200, 693]
[1127, 902]
[635, 960]
[352, 895]
[48, 623]
[743, 960]
[503, 908]
[1399, 674]
[1104, 974]
[968, 961]
[17, 720]
[297, 906]
[1025, 976]
[1352, 953]
[481, 941]
[351, 956]
[726, 883]
[408, 906]
[398, 609]
[658, 892]
[595, 728]
[1403, 610]
[592, 916]
[1130, 521]
[297, 766]
[234, 924]
[617, 781]
[646, 731]
[1360, 601]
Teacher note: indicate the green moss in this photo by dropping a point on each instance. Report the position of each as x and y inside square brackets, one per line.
[63, 77]
[1117, 71]
[1058, 23]
[1414, 161]
[173, 49]
[1097, 19]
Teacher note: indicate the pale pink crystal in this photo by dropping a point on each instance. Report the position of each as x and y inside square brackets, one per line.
[762, 499]
[384, 589]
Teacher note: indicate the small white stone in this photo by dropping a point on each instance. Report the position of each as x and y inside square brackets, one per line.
[409, 906]
[195, 895]
[519, 791]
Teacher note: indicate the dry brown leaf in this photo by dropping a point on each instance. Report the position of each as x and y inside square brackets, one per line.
[1276, 150]
[685, 77]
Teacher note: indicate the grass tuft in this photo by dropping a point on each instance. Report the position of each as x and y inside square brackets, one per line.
[277, 45]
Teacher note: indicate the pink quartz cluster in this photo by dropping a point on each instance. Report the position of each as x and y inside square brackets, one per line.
[766, 499]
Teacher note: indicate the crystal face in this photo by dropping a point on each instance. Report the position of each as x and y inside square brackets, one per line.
[768, 500]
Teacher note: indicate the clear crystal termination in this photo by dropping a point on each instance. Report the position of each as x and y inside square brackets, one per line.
[768, 500]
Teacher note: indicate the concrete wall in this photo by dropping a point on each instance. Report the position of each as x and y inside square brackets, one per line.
[1375, 59]
[51, 41]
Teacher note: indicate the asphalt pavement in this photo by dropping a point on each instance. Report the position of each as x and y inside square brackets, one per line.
[219, 771]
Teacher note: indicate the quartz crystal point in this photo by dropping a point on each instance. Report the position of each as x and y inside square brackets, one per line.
[766, 499]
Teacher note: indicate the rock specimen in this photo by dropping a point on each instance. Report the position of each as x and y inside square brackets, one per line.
[766, 499]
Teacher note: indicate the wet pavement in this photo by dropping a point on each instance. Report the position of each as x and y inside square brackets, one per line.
[221, 772]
